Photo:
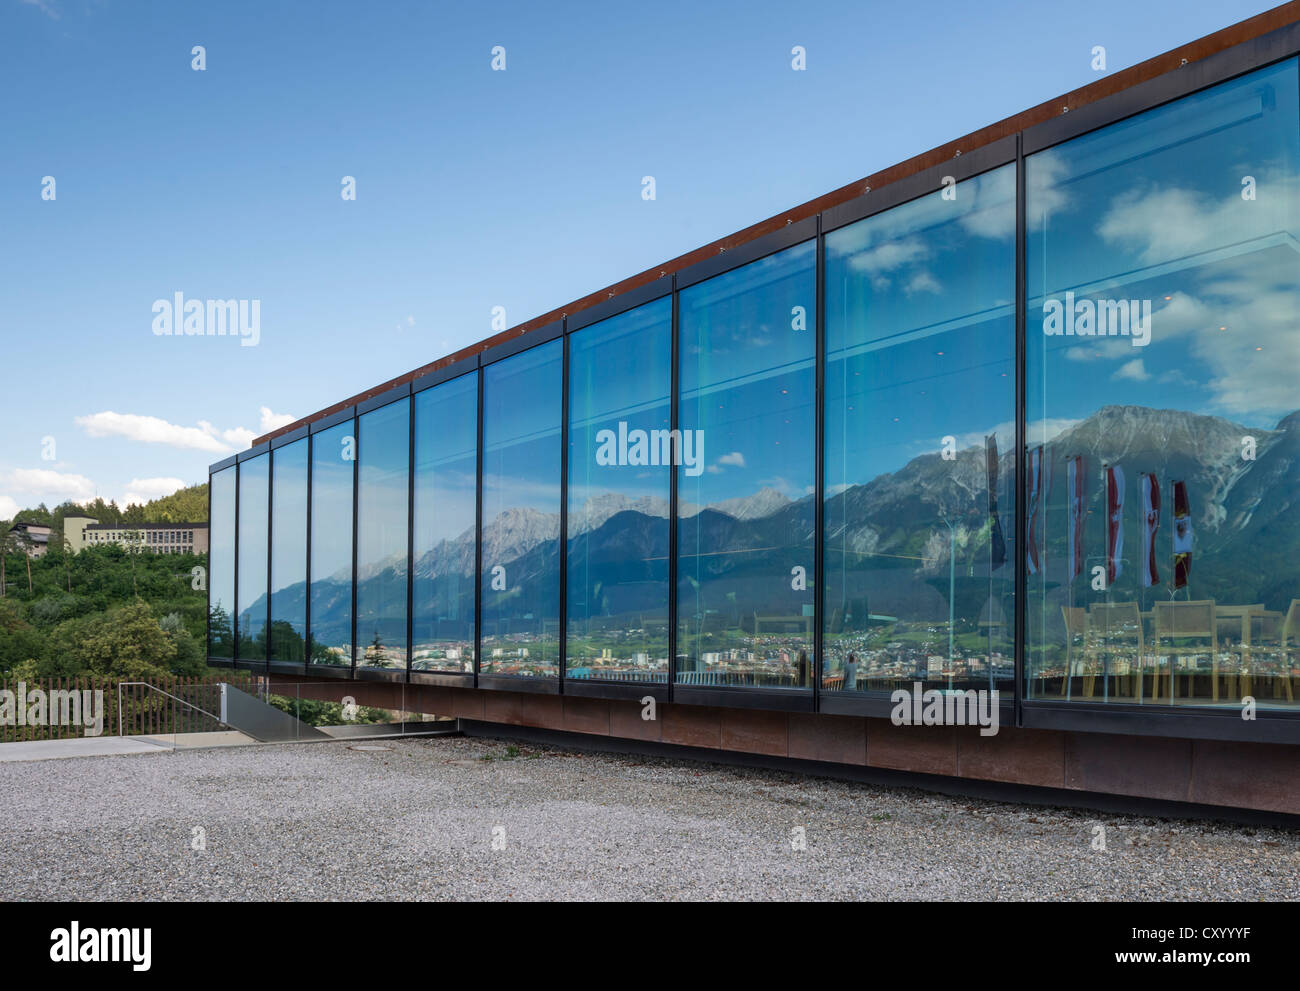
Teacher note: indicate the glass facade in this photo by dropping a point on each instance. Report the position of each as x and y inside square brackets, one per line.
[383, 445]
[289, 552]
[333, 460]
[664, 528]
[520, 583]
[1163, 409]
[221, 564]
[746, 484]
[254, 510]
[920, 435]
[446, 532]
[620, 484]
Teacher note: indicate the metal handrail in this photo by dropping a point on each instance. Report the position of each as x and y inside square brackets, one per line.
[160, 691]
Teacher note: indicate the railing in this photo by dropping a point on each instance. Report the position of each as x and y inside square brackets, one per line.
[123, 707]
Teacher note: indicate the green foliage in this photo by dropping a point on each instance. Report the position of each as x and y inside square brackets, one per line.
[314, 712]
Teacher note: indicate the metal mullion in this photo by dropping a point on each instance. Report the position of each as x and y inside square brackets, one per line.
[234, 606]
[564, 510]
[478, 538]
[270, 522]
[356, 462]
[311, 471]
[1021, 578]
[674, 400]
[207, 585]
[410, 536]
[819, 484]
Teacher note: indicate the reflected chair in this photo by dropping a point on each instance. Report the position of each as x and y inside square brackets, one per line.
[1076, 628]
[1114, 625]
[1278, 633]
[1193, 620]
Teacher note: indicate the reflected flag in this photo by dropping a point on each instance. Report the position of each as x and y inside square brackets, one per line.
[1074, 503]
[998, 551]
[1150, 524]
[1114, 523]
[1035, 476]
[1182, 536]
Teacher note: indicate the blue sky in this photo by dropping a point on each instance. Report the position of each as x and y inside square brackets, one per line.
[475, 188]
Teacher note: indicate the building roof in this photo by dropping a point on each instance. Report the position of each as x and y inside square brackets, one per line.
[147, 526]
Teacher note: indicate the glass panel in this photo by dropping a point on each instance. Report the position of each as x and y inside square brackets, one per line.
[382, 502]
[620, 380]
[333, 457]
[521, 513]
[746, 475]
[1164, 550]
[254, 491]
[221, 565]
[920, 443]
[446, 538]
[289, 552]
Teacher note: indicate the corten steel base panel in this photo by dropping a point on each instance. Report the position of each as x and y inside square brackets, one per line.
[1197, 778]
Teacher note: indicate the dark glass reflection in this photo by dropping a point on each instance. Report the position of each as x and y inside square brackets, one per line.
[746, 475]
[382, 502]
[620, 378]
[521, 513]
[221, 565]
[446, 538]
[333, 457]
[920, 443]
[289, 552]
[1164, 550]
[254, 492]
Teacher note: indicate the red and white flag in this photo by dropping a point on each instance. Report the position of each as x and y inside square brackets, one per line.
[1182, 536]
[1035, 467]
[1074, 500]
[1114, 523]
[1150, 524]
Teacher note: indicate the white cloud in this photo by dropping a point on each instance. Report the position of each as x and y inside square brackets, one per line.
[735, 459]
[1134, 371]
[152, 430]
[44, 6]
[49, 486]
[8, 508]
[201, 437]
[141, 490]
[273, 421]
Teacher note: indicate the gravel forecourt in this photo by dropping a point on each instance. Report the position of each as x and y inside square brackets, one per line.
[460, 818]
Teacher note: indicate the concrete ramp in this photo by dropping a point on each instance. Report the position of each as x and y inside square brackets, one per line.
[264, 723]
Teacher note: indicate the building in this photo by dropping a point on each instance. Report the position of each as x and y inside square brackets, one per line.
[1017, 415]
[33, 538]
[158, 538]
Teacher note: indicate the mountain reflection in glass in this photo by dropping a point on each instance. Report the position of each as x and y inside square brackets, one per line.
[746, 488]
[384, 452]
[289, 552]
[446, 459]
[620, 378]
[254, 491]
[920, 443]
[333, 458]
[1163, 256]
[221, 565]
[522, 398]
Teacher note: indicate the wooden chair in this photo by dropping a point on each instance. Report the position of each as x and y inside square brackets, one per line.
[1281, 630]
[1186, 620]
[1115, 624]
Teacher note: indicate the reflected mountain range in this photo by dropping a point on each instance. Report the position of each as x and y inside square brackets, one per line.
[1244, 511]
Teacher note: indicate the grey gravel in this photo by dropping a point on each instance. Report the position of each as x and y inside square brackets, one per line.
[416, 820]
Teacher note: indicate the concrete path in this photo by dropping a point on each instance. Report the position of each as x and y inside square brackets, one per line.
[86, 746]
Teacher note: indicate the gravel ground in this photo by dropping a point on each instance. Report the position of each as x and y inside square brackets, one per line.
[417, 820]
